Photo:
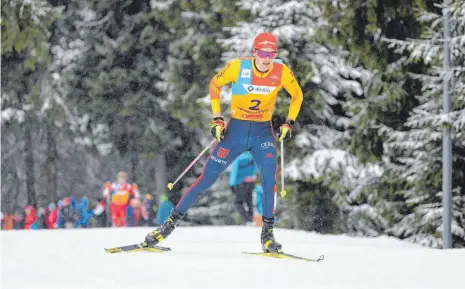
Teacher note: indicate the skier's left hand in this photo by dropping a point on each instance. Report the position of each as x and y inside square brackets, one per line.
[217, 128]
[285, 130]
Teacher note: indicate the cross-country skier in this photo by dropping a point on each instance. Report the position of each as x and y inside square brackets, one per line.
[120, 194]
[255, 82]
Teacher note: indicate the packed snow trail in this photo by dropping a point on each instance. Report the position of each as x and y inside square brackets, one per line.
[210, 257]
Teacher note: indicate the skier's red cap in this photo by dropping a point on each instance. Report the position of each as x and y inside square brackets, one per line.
[266, 40]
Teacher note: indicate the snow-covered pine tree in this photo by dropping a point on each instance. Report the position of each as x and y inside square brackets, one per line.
[25, 60]
[328, 81]
[414, 155]
[116, 85]
[357, 26]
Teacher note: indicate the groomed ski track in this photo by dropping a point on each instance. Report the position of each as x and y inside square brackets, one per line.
[210, 257]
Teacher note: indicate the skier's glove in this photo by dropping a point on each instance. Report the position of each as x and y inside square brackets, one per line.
[217, 128]
[285, 130]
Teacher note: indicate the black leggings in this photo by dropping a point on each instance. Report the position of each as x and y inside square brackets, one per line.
[244, 203]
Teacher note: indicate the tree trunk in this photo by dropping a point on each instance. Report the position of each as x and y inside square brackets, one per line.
[296, 215]
[132, 145]
[160, 174]
[29, 161]
[133, 152]
[51, 165]
[14, 201]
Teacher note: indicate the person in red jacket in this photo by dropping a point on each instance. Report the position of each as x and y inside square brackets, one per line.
[52, 217]
[120, 193]
[30, 219]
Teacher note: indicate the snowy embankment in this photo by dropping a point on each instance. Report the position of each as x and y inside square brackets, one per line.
[210, 257]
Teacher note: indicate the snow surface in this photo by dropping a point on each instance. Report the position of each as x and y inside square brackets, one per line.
[209, 257]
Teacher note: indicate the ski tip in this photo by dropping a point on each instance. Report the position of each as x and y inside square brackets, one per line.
[321, 258]
[112, 250]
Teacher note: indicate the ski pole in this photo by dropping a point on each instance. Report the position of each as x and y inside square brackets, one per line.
[170, 185]
[283, 192]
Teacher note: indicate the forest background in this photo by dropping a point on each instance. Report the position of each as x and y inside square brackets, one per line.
[92, 87]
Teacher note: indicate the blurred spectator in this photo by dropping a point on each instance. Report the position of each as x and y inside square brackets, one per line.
[19, 220]
[120, 194]
[133, 213]
[99, 213]
[8, 222]
[52, 217]
[74, 205]
[84, 213]
[30, 219]
[149, 210]
[66, 214]
[165, 209]
[41, 217]
[242, 179]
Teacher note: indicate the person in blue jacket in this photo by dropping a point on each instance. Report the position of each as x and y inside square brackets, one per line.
[242, 179]
[84, 213]
[164, 210]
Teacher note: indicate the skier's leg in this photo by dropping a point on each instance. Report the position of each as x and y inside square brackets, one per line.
[265, 158]
[123, 216]
[114, 215]
[118, 216]
[221, 157]
[224, 153]
[264, 154]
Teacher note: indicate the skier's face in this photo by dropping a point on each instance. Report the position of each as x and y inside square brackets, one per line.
[264, 58]
[121, 180]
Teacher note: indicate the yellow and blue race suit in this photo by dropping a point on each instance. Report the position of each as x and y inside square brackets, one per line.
[252, 105]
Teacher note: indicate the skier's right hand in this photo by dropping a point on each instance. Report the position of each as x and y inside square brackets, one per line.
[285, 131]
[217, 128]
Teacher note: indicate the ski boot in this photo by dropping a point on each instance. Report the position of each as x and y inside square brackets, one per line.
[269, 243]
[163, 231]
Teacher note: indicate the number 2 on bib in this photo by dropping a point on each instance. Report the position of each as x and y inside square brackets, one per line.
[257, 104]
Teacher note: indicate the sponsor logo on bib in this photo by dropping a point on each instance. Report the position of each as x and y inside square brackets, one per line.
[246, 73]
[258, 89]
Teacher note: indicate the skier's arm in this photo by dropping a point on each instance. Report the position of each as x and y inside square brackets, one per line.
[226, 75]
[107, 190]
[135, 191]
[293, 88]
